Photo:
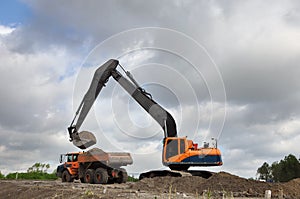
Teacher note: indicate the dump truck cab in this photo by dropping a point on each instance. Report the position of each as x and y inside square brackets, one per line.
[70, 162]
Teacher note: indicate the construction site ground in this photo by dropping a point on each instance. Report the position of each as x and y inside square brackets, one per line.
[219, 185]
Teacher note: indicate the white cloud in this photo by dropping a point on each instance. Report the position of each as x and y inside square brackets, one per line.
[5, 30]
[35, 106]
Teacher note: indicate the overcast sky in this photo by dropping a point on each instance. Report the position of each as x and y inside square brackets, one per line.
[223, 69]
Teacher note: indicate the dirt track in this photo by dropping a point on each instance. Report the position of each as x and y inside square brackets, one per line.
[220, 184]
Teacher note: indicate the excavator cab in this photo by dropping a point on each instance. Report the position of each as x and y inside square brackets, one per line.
[181, 153]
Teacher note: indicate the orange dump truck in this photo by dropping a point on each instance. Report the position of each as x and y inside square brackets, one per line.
[94, 166]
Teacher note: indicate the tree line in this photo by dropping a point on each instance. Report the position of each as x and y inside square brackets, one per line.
[282, 171]
[37, 171]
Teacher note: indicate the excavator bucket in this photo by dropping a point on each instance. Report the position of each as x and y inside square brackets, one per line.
[84, 140]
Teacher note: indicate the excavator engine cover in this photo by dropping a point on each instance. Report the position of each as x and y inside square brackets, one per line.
[84, 140]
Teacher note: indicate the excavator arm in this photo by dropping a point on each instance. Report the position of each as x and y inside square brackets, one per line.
[86, 139]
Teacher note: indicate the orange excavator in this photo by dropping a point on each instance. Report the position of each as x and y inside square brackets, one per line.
[179, 153]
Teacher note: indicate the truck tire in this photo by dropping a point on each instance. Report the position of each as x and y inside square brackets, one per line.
[101, 176]
[123, 176]
[89, 176]
[66, 177]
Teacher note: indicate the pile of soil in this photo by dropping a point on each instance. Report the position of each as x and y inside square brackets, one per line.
[219, 184]
[292, 188]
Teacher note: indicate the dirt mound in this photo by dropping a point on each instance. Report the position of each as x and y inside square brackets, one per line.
[292, 188]
[175, 184]
[240, 186]
[219, 184]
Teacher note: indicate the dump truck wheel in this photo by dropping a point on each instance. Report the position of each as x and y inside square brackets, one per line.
[89, 176]
[66, 177]
[101, 176]
[123, 176]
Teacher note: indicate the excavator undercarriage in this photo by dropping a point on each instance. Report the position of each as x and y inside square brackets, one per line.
[174, 173]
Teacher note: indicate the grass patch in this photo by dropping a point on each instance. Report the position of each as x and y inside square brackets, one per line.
[32, 176]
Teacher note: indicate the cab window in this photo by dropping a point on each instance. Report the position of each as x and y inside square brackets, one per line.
[69, 158]
[75, 157]
[182, 146]
[171, 148]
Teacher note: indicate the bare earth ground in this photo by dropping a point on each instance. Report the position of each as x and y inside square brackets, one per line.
[220, 185]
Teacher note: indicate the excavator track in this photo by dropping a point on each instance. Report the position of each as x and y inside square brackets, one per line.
[175, 173]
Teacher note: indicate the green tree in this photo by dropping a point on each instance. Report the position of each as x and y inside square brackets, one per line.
[283, 171]
[36, 167]
[47, 167]
[264, 172]
[276, 171]
[287, 169]
[1, 176]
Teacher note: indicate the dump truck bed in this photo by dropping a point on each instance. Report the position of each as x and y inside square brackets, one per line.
[112, 159]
